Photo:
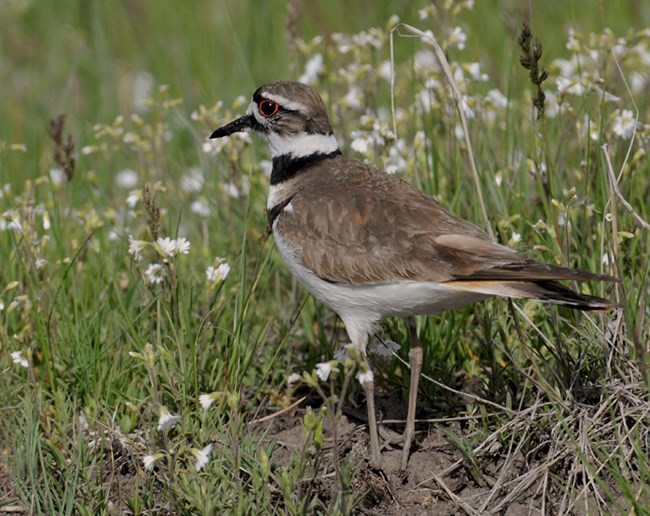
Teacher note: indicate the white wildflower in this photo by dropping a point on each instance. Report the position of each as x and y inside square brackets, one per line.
[126, 178]
[142, 83]
[341, 354]
[166, 246]
[47, 224]
[133, 198]
[514, 239]
[353, 99]
[497, 99]
[361, 143]
[149, 461]
[200, 207]
[155, 273]
[426, 61]
[323, 370]
[571, 86]
[394, 163]
[207, 399]
[457, 38]
[192, 180]
[135, 248]
[608, 259]
[312, 69]
[231, 190]
[624, 124]
[166, 419]
[181, 246]
[474, 70]
[218, 271]
[365, 376]
[19, 359]
[386, 348]
[56, 176]
[293, 378]
[201, 456]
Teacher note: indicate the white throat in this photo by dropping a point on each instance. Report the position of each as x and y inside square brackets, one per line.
[301, 144]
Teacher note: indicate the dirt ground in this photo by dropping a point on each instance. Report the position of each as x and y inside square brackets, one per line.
[438, 480]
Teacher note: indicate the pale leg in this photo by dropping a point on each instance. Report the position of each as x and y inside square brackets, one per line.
[415, 359]
[375, 454]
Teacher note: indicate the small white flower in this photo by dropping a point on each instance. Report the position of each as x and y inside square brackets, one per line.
[201, 208]
[323, 370]
[155, 273]
[18, 358]
[192, 180]
[142, 83]
[624, 124]
[361, 144]
[202, 456]
[572, 86]
[126, 178]
[166, 419]
[166, 246]
[387, 347]
[149, 461]
[182, 246]
[56, 176]
[293, 379]
[2, 305]
[312, 69]
[457, 38]
[608, 259]
[231, 190]
[497, 98]
[133, 198]
[207, 399]
[47, 224]
[365, 376]
[135, 248]
[217, 274]
[353, 99]
[341, 354]
[514, 239]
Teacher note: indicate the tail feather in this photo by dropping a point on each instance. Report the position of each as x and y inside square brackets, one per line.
[545, 290]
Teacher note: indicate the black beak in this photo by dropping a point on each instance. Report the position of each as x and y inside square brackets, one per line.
[243, 123]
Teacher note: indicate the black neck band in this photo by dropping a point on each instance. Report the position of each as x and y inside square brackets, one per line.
[287, 165]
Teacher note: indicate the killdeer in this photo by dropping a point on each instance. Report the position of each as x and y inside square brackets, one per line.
[369, 245]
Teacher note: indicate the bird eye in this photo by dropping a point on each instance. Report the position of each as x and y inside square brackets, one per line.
[268, 108]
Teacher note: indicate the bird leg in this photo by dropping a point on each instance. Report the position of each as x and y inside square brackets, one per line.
[415, 360]
[369, 388]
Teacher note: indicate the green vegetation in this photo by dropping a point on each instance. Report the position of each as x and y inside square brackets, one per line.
[155, 351]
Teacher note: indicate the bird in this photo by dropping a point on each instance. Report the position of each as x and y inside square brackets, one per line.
[369, 245]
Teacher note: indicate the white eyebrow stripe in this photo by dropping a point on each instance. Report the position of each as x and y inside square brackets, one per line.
[285, 102]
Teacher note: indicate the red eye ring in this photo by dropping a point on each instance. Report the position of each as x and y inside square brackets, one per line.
[268, 108]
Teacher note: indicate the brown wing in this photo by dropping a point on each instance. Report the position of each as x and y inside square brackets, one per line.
[357, 225]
